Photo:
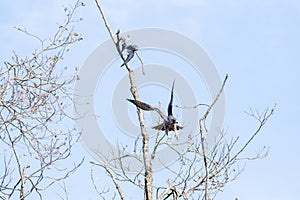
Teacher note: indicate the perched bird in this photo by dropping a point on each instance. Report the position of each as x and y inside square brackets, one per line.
[131, 49]
[124, 42]
[169, 122]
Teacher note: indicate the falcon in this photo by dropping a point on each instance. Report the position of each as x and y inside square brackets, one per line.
[131, 49]
[169, 122]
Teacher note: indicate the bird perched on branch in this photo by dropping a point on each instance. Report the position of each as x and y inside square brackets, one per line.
[125, 43]
[131, 49]
[169, 122]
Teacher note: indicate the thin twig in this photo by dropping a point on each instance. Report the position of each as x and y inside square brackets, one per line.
[111, 175]
[192, 107]
[141, 61]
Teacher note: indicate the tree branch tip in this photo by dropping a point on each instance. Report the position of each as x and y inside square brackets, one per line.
[225, 79]
[93, 163]
[273, 109]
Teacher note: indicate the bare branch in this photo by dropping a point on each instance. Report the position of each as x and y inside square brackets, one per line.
[203, 141]
[262, 119]
[110, 173]
[148, 167]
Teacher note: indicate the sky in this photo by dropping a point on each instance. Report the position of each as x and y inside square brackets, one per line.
[255, 42]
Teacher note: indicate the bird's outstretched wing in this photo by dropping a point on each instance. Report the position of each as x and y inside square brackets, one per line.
[147, 107]
[170, 107]
[141, 105]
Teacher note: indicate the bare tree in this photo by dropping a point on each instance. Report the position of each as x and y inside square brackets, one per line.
[36, 129]
[199, 173]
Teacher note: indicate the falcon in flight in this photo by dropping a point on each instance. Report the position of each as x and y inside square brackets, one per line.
[169, 122]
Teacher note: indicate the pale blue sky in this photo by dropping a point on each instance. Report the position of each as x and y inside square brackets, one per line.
[255, 42]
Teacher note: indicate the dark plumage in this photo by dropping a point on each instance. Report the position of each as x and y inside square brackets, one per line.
[141, 105]
[131, 49]
[169, 122]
